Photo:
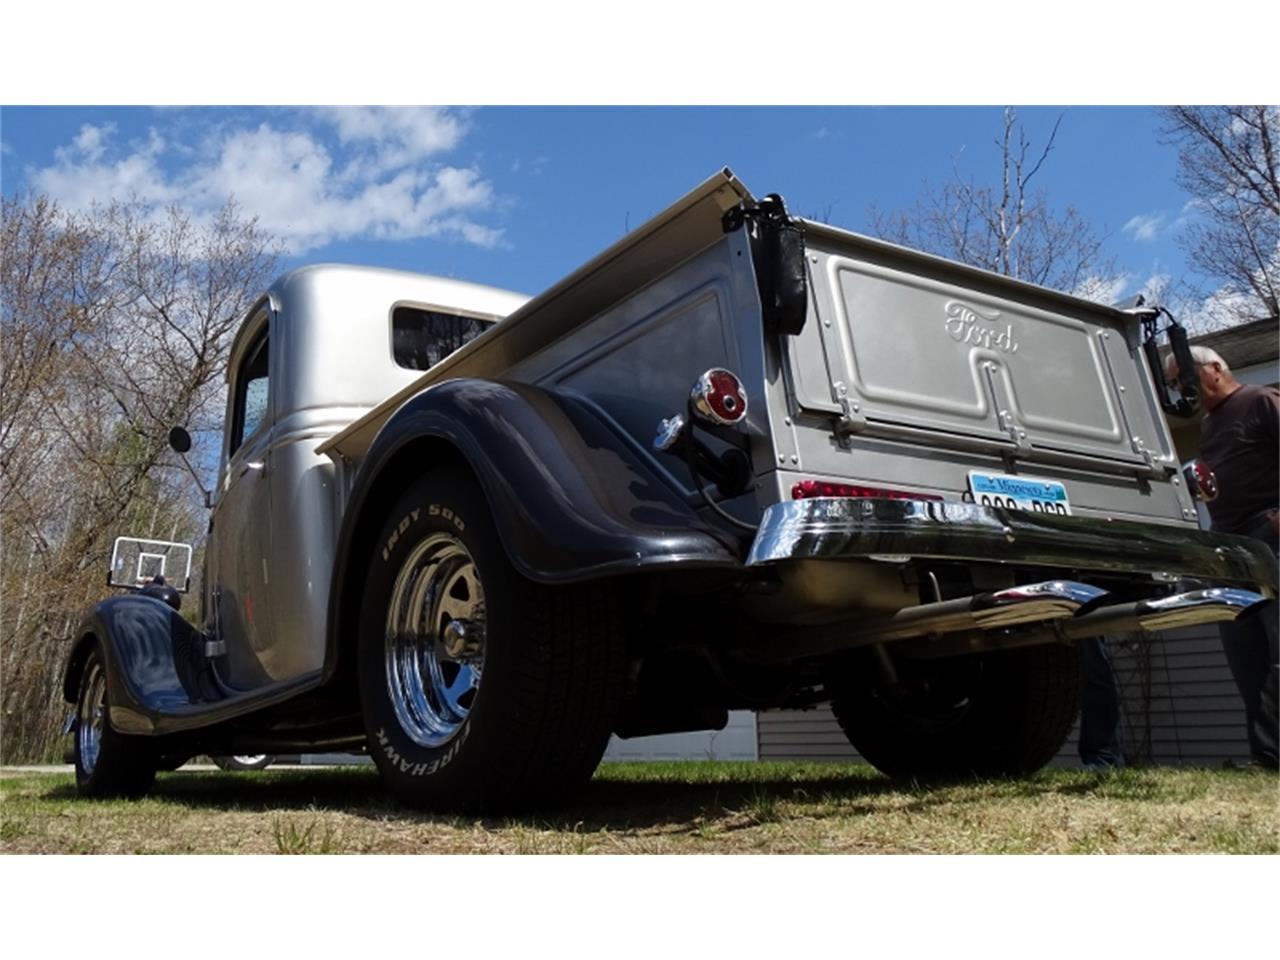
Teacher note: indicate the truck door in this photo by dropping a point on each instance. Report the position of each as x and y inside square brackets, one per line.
[241, 536]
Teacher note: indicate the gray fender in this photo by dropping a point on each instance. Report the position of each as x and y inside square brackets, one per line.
[158, 679]
[572, 500]
[152, 657]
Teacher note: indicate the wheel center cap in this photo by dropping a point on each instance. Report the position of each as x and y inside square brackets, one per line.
[462, 639]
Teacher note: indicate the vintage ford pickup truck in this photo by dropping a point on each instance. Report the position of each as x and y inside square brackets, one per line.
[444, 530]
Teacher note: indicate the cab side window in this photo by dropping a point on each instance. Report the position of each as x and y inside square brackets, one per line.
[251, 392]
[422, 338]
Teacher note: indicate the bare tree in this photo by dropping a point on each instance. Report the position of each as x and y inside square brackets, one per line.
[116, 325]
[1007, 226]
[1229, 161]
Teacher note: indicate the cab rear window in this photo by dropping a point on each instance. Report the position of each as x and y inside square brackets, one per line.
[422, 338]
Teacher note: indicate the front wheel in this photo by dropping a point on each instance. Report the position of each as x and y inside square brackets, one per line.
[1004, 713]
[256, 761]
[480, 689]
[108, 764]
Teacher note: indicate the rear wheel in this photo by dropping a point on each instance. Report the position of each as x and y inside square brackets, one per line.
[1004, 713]
[108, 764]
[480, 689]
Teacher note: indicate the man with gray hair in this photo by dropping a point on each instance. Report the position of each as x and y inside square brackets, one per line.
[1240, 443]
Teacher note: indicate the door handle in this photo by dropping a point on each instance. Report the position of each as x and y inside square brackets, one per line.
[258, 466]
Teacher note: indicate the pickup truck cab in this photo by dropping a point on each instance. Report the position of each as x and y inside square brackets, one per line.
[738, 460]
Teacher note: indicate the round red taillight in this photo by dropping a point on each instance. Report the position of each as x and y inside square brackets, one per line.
[718, 396]
[1201, 481]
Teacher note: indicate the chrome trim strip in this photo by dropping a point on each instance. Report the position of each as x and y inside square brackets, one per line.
[851, 529]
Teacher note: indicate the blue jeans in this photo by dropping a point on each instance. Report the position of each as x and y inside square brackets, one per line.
[1099, 744]
[1253, 654]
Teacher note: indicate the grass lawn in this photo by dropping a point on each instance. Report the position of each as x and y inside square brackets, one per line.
[665, 808]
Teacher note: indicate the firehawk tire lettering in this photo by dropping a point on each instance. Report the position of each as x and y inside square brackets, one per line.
[420, 769]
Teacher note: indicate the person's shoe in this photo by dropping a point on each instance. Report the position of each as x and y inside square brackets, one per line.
[1254, 763]
[1101, 766]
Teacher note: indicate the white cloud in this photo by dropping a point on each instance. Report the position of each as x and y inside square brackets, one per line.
[1144, 226]
[1156, 288]
[396, 136]
[1108, 290]
[1221, 309]
[366, 173]
[88, 143]
[1227, 306]
[80, 177]
[1113, 290]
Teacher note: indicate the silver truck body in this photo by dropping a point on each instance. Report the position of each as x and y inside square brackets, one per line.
[277, 512]
[910, 372]
[848, 548]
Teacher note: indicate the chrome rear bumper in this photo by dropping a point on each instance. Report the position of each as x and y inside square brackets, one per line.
[850, 529]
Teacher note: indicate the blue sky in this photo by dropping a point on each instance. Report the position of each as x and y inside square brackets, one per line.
[518, 197]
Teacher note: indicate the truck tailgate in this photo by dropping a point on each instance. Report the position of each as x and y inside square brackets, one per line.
[913, 341]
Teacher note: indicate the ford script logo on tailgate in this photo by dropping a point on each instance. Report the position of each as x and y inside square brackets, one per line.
[968, 324]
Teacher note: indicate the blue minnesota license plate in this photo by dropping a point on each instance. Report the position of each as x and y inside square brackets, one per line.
[1019, 493]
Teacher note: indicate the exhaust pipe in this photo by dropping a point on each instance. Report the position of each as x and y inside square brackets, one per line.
[1017, 606]
[1051, 601]
[1054, 610]
[1165, 613]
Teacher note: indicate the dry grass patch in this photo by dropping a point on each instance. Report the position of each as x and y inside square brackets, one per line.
[665, 808]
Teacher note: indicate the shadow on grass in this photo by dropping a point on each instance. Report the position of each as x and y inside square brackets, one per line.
[606, 803]
[634, 799]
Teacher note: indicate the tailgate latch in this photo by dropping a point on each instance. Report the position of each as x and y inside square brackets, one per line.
[851, 419]
[1006, 422]
[1017, 435]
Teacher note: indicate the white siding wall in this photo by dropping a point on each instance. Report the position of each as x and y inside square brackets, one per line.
[737, 741]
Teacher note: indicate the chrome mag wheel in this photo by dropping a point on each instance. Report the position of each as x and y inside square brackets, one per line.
[91, 716]
[435, 633]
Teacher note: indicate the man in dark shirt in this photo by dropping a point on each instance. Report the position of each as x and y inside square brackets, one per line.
[1240, 443]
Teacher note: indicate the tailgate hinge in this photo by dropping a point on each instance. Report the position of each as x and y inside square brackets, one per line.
[851, 420]
[1141, 450]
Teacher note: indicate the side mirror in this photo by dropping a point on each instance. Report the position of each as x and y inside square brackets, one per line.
[179, 440]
